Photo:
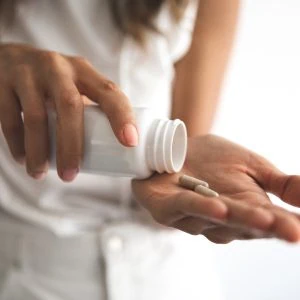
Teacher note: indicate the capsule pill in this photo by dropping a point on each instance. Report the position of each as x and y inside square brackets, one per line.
[205, 191]
[191, 182]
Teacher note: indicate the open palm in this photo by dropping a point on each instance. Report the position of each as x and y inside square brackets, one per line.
[242, 211]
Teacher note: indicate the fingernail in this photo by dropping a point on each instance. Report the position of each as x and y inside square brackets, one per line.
[70, 174]
[130, 135]
[38, 175]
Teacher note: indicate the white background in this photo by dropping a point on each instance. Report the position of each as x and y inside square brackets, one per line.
[260, 109]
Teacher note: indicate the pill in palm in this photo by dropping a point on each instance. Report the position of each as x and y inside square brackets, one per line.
[205, 191]
[191, 182]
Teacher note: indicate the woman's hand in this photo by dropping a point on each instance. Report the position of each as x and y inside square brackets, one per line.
[30, 79]
[242, 211]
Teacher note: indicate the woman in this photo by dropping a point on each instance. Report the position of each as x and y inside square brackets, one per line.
[167, 54]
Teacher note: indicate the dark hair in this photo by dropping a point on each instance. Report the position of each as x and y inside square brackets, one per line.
[132, 17]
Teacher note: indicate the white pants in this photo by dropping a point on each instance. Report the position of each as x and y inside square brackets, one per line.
[121, 262]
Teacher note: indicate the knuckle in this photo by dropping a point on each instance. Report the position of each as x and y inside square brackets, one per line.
[81, 60]
[55, 64]
[70, 100]
[50, 56]
[110, 86]
[34, 119]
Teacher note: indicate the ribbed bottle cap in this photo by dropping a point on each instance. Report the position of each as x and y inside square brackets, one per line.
[176, 146]
[169, 146]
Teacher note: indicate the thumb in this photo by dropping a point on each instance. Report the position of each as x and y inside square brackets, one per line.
[286, 187]
[271, 179]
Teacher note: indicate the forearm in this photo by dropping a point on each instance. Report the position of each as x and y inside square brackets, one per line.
[200, 73]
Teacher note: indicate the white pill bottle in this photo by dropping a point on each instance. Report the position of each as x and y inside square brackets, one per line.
[162, 145]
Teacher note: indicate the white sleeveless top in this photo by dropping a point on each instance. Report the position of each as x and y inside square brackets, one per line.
[85, 28]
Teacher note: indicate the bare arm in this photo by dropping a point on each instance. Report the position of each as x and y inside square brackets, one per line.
[200, 73]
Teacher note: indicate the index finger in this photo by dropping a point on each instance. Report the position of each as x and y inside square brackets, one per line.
[111, 100]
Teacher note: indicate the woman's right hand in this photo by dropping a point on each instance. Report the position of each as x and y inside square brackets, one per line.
[30, 79]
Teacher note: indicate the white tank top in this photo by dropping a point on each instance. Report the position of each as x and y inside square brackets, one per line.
[85, 28]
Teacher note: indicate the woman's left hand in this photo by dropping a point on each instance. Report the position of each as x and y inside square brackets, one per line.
[242, 211]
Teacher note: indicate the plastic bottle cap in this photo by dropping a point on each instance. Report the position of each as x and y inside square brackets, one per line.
[169, 147]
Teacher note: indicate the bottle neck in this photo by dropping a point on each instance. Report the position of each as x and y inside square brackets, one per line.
[167, 146]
